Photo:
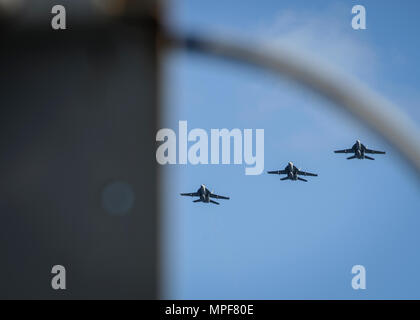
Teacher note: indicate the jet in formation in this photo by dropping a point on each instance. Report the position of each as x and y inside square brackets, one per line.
[205, 195]
[293, 173]
[359, 151]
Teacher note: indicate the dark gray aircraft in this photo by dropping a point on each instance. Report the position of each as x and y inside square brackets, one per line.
[292, 173]
[205, 195]
[359, 151]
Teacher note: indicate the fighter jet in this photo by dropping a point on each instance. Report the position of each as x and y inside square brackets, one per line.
[292, 173]
[359, 151]
[205, 195]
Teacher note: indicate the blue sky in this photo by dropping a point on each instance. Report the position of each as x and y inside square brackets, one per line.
[282, 239]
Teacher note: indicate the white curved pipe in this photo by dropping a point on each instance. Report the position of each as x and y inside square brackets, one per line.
[368, 106]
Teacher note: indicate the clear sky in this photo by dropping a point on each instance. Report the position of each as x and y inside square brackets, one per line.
[284, 239]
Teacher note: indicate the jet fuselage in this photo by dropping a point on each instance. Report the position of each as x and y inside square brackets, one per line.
[359, 150]
[291, 171]
[204, 193]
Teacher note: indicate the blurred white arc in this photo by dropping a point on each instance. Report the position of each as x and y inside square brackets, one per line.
[371, 108]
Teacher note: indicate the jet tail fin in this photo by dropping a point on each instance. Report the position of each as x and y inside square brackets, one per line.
[352, 157]
[301, 179]
[212, 201]
[198, 200]
[285, 178]
[370, 158]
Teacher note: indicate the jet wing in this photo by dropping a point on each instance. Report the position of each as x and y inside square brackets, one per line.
[303, 173]
[192, 194]
[278, 172]
[344, 151]
[212, 195]
[374, 151]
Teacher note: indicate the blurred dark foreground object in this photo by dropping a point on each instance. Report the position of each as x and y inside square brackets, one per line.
[78, 116]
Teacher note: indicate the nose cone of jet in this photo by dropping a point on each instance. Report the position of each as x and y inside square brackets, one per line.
[290, 163]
